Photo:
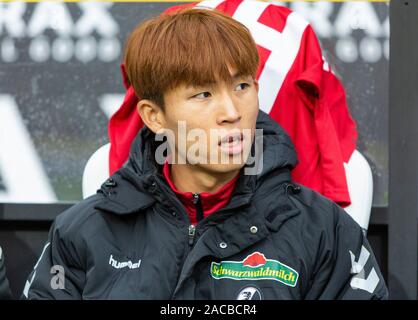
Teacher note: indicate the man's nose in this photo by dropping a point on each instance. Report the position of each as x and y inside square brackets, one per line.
[228, 109]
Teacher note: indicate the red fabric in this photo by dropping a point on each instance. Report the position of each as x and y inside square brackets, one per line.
[310, 105]
[211, 202]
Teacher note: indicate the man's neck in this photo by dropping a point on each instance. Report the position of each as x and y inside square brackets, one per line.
[191, 178]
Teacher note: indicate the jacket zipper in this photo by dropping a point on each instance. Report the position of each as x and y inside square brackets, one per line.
[199, 216]
[198, 203]
[199, 210]
[192, 233]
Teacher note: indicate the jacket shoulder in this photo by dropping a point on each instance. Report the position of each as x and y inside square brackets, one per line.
[322, 211]
[79, 218]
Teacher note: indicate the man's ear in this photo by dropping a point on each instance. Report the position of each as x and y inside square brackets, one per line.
[151, 114]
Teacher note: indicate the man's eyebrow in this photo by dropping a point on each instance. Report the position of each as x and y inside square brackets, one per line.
[239, 75]
[234, 77]
[201, 85]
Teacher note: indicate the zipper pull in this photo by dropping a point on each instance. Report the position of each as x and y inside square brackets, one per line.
[198, 204]
[192, 232]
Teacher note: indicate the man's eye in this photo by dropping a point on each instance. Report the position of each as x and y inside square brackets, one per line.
[202, 95]
[241, 86]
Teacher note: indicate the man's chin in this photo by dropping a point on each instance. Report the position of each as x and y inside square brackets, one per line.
[222, 168]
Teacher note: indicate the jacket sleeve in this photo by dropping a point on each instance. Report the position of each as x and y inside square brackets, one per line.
[346, 268]
[5, 293]
[58, 273]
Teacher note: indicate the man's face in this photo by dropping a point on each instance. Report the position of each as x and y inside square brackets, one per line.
[213, 125]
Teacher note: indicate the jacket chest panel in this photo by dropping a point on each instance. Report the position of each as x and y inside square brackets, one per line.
[258, 272]
[143, 266]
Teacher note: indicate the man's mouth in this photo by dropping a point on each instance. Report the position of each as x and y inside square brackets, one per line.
[232, 143]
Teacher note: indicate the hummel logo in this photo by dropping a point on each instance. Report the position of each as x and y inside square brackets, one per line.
[118, 265]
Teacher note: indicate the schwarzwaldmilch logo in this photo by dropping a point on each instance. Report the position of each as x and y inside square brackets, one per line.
[255, 267]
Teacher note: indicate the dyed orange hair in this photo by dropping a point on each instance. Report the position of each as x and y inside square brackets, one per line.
[188, 46]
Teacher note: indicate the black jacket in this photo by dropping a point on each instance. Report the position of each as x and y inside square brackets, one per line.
[5, 292]
[274, 240]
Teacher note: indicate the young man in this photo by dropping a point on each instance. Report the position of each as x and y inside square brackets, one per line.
[196, 222]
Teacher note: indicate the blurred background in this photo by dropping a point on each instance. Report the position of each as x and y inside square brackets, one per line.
[60, 81]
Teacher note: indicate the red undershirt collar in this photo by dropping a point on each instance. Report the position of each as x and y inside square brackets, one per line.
[210, 202]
